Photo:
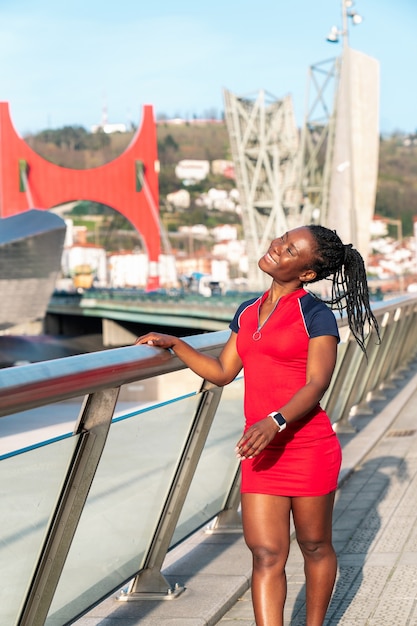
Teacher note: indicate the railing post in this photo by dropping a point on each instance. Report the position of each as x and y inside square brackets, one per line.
[93, 427]
[149, 583]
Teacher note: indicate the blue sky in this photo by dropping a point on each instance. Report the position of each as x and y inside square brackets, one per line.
[61, 62]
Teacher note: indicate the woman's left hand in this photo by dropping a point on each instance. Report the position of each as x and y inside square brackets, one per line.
[256, 438]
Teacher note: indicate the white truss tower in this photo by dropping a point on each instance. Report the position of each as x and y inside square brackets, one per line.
[264, 142]
[317, 140]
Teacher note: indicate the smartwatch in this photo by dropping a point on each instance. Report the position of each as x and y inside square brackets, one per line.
[279, 420]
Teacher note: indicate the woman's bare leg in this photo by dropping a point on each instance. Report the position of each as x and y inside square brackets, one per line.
[266, 527]
[313, 524]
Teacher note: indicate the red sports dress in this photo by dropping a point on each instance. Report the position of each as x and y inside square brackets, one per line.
[304, 459]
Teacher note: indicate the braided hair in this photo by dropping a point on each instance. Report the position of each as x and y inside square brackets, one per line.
[349, 292]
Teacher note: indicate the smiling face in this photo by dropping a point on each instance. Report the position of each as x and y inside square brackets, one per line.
[289, 258]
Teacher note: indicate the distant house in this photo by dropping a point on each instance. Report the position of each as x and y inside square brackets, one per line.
[105, 127]
[179, 199]
[109, 128]
[224, 168]
[191, 171]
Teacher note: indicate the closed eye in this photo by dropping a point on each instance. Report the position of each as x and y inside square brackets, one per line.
[283, 237]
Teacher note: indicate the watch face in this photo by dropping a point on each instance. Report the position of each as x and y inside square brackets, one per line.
[280, 419]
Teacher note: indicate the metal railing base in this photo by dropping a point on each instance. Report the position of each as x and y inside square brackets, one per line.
[377, 395]
[363, 408]
[344, 427]
[228, 521]
[150, 584]
[134, 596]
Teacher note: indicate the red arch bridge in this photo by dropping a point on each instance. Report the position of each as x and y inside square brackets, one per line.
[129, 184]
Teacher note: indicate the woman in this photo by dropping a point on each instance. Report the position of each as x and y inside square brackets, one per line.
[286, 341]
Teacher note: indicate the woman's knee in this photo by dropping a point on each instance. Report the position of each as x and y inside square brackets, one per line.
[267, 557]
[315, 549]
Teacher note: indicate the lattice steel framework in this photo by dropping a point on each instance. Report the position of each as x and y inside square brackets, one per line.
[326, 176]
[317, 140]
[264, 142]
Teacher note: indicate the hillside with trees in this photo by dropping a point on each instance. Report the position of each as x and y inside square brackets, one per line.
[74, 147]
[397, 180]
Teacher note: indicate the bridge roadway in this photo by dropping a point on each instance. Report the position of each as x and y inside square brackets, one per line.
[375, 535]
[177, 310]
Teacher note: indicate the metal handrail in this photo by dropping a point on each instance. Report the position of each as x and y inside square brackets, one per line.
[29, 386]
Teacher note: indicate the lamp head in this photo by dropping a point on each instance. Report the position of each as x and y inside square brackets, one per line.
[333, 35]
[356, 18]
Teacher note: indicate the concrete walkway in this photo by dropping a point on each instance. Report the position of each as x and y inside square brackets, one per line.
[375, 536]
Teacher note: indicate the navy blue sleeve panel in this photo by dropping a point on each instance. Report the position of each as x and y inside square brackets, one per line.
[319, 319]
[234, 324]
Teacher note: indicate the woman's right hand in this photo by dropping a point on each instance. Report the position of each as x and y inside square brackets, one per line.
[158, 340]
[219, 370]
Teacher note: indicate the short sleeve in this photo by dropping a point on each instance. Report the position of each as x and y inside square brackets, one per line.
[235, 323]
[319, 318]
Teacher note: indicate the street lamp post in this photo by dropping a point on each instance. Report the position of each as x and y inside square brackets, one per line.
[347, 13]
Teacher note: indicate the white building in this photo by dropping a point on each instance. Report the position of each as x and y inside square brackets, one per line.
[130, 269]
[179, 199]
[198, 230]
[127, 269]
[192, 170]
[218, 199]
[167, 271]
[225, 232]
[234, 252]
[108, 129]
[220, 270]
[223, 168]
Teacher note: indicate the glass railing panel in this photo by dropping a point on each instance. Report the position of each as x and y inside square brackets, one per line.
[25, 429]
[217, 466]
[164, 388]
[30, 484]
[124, 505]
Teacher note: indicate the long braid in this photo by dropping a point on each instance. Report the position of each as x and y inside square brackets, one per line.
[349, 291]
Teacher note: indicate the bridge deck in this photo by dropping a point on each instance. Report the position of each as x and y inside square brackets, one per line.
[375, 535]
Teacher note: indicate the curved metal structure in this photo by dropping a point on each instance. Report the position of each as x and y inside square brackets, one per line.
[31, 245]
[129, 184]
